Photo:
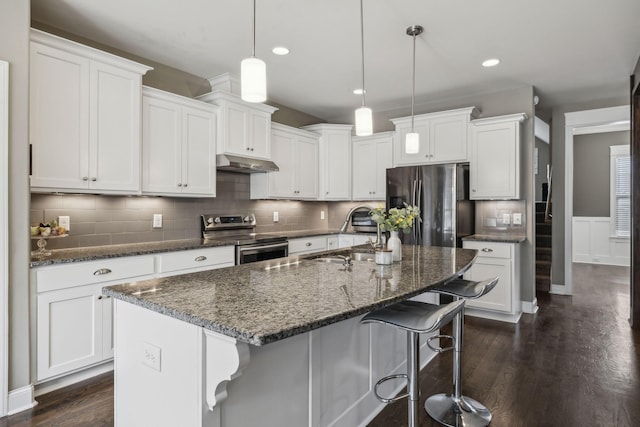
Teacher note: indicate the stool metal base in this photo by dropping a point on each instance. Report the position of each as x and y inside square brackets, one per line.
[466, 412]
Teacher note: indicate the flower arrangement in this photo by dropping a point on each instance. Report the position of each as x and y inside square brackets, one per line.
[397, 218]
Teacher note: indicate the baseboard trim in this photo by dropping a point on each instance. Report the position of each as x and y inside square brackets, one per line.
[487, 314]
[558, 289]
[66, 380]
[20, 399]
[530, 307]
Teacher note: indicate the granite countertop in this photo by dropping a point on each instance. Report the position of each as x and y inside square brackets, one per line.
[499, 238]
[268, 301]
[62, 256]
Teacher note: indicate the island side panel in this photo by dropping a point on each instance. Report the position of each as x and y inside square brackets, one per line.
[158, 369]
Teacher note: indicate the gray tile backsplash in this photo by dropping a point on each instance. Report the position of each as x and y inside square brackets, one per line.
[490, 216]
[108, 220]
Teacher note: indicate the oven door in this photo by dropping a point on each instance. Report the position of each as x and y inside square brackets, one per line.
[261, 252]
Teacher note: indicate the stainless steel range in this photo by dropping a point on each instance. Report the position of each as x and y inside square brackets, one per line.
[239, 230]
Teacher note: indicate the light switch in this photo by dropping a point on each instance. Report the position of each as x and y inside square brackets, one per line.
[506, 219]
[517, 219]
[276, 216]
[157, 220]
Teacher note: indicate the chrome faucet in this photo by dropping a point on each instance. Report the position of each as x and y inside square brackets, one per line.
[348, 218]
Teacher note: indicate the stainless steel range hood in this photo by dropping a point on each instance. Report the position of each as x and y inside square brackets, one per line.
[227, 162]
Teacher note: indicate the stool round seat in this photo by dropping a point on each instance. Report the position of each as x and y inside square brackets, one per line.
[455, 409]
[414, 316]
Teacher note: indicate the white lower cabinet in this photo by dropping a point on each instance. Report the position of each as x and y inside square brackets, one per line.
[501, 260]
[346, 240]
[73, 322]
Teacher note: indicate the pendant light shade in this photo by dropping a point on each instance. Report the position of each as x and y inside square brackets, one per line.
[253, 73]
[412, 139]
[364, 120]
[253, 78]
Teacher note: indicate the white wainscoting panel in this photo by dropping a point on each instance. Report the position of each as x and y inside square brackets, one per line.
[593, 244]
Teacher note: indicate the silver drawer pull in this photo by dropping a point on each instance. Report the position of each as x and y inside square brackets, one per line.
[487, 250]
[308, 244]
[200, 258]
[101, 271]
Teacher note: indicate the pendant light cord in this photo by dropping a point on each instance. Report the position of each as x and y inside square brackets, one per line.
[253, 51]
[362, 47]
[413, 90]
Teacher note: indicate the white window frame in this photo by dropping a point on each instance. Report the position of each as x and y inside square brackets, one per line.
[615, 152]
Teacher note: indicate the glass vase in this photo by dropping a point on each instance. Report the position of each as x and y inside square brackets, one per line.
[395, 245]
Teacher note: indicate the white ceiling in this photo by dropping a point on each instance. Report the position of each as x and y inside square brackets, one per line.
[568, 50]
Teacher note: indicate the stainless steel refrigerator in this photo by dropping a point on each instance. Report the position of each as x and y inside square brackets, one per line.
[442, 194]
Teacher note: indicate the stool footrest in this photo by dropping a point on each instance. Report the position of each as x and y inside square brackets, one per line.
[390, 399]
[441, 349]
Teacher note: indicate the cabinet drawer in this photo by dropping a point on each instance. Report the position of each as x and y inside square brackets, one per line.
[92, 272]
[307, 245]
[197, 259]
[489, 249]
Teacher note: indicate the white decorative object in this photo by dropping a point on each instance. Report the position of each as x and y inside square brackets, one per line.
[395, 245]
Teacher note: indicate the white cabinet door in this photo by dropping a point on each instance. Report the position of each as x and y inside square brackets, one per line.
[161, 146]
[306, 164]
[178, 146]
[69, 330]
[283, 152]
[499, 299]
[334, 166]
[260, 131]
[114, 129]
[448, 137]
[58, 118]
[198, 152]
[494, 167]
[372, 155]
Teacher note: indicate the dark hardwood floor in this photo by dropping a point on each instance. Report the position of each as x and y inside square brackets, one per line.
[574, 363]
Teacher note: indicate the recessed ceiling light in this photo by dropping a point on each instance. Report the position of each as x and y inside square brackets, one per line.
[491, 62]
[280, 50]
[358, 91]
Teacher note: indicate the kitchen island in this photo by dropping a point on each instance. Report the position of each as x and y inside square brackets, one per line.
[275, 343]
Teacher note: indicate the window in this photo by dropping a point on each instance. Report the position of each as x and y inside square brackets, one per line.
[620, 191]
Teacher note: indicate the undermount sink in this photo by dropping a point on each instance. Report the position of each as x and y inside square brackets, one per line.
[354, 256]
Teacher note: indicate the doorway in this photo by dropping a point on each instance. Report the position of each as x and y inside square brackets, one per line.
[582, 123]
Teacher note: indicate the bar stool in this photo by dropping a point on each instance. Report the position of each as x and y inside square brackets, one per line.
[455, 409]
[415, 318]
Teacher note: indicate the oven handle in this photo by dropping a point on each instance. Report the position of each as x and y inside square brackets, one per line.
[256, 249]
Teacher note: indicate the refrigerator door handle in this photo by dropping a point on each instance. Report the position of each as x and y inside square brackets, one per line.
[418, 227]
[413, 193]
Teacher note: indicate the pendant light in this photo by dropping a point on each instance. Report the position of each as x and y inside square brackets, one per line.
[364, 122]
[412, 139]
[253, 73]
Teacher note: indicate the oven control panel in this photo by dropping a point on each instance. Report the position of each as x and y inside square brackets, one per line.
[220, 222]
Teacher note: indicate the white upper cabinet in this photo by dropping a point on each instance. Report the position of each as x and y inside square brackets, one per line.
[334, 165]
[178, 145]
[494, 166]
[295, 152]
[84, 118]
[372, 156]
[243, 129]
[443, 137]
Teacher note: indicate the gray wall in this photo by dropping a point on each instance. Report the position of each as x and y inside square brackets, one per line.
[558, 195]
[544, 159]
[14, 48]
[591, 172]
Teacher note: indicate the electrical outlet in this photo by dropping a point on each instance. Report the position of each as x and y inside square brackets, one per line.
[157, 220]
[151, 355]
[321, 214]
[276, 216]
[64, 221]
[517, 219]
[506, 219]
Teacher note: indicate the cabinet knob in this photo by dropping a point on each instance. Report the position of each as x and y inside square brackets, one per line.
[200, 258]
[100, 297]
[179, 184]
[307, 244]
[85, 178]
[487, 250]
[251, 149]
[101, 271]
[248, 149]
[94, 179]
[473, 190]
[185, 185]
